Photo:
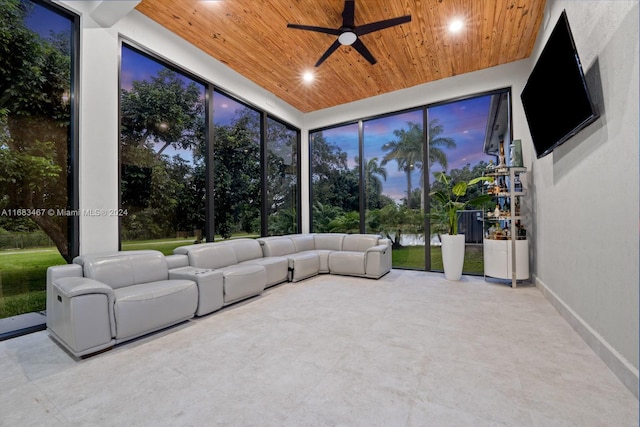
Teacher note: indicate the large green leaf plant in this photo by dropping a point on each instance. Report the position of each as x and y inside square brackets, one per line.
[451, 199]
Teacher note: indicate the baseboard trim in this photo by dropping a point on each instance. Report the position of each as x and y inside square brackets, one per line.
[620, 366]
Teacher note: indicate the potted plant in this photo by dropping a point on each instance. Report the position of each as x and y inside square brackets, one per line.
[451, 200]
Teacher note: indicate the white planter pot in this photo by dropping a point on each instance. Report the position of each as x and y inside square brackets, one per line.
[452, 255]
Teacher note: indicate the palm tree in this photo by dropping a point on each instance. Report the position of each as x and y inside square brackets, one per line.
[436, 154]
[407, 150]
[373, 184]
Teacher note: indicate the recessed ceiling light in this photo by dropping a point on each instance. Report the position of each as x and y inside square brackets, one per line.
[456, 25]
[308, 77]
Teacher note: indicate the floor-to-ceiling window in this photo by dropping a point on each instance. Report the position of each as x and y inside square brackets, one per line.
[162, 154]
[334, 179]
[393, 190]
[236, 168]
[196, 163]
[375, 175]
[282, 178]
[38, 136]
[457, 135]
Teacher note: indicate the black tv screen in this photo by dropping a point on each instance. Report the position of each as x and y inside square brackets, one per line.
[555, 98]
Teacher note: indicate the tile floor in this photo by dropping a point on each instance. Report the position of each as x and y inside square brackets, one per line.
[410, 349]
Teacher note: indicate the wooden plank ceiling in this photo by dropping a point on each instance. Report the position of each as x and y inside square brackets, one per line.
[252, 38]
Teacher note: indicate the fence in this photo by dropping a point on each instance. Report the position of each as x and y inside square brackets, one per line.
[470, 223]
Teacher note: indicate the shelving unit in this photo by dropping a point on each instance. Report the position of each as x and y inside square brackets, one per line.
[506, 248]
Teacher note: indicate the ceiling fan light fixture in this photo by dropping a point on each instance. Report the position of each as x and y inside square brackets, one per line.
[347, 38]
[348, 32]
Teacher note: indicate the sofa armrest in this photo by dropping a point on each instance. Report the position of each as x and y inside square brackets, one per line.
[378, 261]
[80, 314]
[177, 261]
[210, 287]
[70, 287]
[56, 272]
[378, 248]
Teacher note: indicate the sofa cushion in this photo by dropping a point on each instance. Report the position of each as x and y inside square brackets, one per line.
[303, 265]
[347, 262]
[277, 246]
[276, 268]
[243, 281]
[303, 242]
[209, 255]
[329, 241]
[246, 249]
[147, 307]
[125, 268]
[323, 255]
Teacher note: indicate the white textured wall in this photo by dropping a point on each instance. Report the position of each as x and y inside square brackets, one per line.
[585, 194]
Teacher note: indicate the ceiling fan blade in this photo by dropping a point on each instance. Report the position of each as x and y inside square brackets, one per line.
[332, 48]
[325, 30]
[362, 49]
[348, 14]
[381, 25]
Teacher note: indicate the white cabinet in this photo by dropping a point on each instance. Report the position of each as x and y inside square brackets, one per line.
[498, 259]
[506, 248]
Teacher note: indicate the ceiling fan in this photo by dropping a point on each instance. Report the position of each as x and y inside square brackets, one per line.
[348, 34]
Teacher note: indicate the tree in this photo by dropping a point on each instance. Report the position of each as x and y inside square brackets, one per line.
[35, 116]
[162, 195]
[346, 223]
[236, 168]
[323, 214]
[282, 179]
[436, 141]
[373, 172]
[162, 111]
[393, 221]
[407, 150]
[333, 182]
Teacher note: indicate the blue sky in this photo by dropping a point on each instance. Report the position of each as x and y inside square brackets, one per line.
[43, 21]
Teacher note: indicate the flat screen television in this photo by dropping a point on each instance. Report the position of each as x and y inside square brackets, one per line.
[555, 98]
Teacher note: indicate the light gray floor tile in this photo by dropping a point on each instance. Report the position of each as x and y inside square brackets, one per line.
[410, 349]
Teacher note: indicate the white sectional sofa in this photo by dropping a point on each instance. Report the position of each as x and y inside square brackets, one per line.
[104, 299]
[364, 255]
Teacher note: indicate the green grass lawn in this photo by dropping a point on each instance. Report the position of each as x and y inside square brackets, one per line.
[413, 257]
[23, 272]
[23, 279]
